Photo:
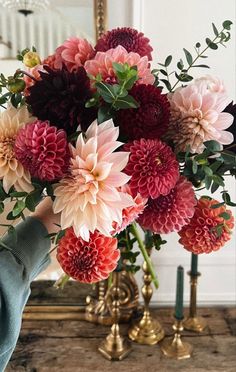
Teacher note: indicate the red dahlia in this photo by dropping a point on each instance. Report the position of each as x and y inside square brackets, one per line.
[152, 166]
[129, 38]
[88, 262]
[151, 119]
[43, 150]
[170, 212]
[208, 230]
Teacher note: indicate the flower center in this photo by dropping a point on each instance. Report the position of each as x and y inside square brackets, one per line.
[7, 148]
[85, 258]
[163, 203]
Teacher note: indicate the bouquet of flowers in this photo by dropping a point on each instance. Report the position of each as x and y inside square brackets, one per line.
[116, 144]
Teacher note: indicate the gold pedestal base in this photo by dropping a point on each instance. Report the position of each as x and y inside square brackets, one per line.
[115, 347]
[195, 324]
[146, 332]
[175, 348]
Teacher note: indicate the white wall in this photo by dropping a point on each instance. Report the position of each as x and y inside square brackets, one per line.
[172, 25]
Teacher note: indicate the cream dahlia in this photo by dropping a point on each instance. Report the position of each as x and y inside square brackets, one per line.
[196, 117]
[73, 53]
[170, 212]
[130, 214]
[102, 64]
[152, 166]
[90, 198]
[12, 172]
[202, 234]
[88, 262]
[43, 150]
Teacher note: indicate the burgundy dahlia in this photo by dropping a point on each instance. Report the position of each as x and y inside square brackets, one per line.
[151, 119]
[60, 97]
[129, 38]
[152, 166]
[231, 109]
[88, 262]
[43, 150]
[170, 212]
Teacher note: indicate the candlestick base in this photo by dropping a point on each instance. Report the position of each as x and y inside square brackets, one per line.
[115, 347]
[147, 331]
[195, 324]
[175, 347]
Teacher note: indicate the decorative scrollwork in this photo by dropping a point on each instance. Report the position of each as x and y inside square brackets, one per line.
[100, 17]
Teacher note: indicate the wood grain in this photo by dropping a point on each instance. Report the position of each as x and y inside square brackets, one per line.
[71, 346]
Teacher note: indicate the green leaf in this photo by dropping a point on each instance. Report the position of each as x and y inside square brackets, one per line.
[183, 77]
[211, 44]
[18, 208]
[218, 179]
[194, 167]
[106, 91]
[218, 205]
[198, 45]
[188, 56]
[216, 32]
[208, 181]
[167, 84]
[16, 194]
[229, 157]
[214, 187]
[180, 64]
[227, 24]
[212, 146]
[227, 200]
[130, 82]
[226, 216]
[30, 203]
[168, 61]
[126, 103]
[203, 66]
[208, 171]
[164, 72]
[104, 114]
[118, 67]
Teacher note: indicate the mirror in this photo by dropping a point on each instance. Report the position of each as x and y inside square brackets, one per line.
[23, 25]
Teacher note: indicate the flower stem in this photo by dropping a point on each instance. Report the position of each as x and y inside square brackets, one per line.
[145, 255]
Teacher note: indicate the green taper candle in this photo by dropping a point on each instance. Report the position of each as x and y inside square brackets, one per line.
[179, 293]
[194, 260]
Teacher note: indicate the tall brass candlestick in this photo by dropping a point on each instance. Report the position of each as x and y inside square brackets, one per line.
[115, 347]
[193, 322]
[147, 331]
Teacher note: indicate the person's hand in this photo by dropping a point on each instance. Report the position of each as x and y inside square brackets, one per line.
[44, 213]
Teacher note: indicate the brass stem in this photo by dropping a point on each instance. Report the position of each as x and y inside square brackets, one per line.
[193, 296]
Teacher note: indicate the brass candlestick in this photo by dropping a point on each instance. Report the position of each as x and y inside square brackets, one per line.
[193, 322]
[147, 331]
[115, 347]
[175, 347]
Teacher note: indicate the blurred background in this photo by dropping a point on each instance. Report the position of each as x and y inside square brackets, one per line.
[170, 26]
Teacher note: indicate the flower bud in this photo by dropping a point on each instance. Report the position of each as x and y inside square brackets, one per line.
[31, 59]
[16, 85]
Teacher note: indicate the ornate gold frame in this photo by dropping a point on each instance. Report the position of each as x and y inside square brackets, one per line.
[72, 312]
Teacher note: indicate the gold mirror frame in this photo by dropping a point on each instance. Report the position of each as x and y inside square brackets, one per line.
[54, 311]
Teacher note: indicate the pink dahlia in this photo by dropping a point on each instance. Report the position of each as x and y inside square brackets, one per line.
[89, 198]
[50, 61]
[151, 119]
[129, 38]
[170, 212]
[102, 64]
[153, 168]
[196, 117]
[130, 214]
[43, 150]
[88, 262]
[73, 53]
[29, 82]
[207, 231]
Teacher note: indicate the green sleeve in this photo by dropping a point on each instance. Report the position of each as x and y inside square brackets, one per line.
[19, 265]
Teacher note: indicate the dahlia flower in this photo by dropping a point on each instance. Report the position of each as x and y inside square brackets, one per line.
[43, 150]
[152, 166]
[90, 199]
[73, 53]
[60, 97]
[29, 82]
[129, 38]
[151, 119]
[130, 214]
[200, 235]
[170, 212]
[231, 109]
[196, 117]
[102, 64]
[87, 262]
[214, 84]
[12, 172]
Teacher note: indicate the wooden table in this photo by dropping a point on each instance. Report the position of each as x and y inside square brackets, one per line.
[71, 346]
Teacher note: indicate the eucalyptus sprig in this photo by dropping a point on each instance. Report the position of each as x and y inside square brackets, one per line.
[182, 73]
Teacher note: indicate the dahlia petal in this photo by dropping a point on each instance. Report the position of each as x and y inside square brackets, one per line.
[224, 121]
[226, 137]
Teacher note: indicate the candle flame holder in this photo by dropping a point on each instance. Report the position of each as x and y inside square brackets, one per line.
[175, 347]
[193, 322]
[148, 330]
[115, 347]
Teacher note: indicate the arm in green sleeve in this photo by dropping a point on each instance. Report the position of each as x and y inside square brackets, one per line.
[19, 265]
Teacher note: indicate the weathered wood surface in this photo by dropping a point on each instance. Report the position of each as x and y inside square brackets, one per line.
[71, 346]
